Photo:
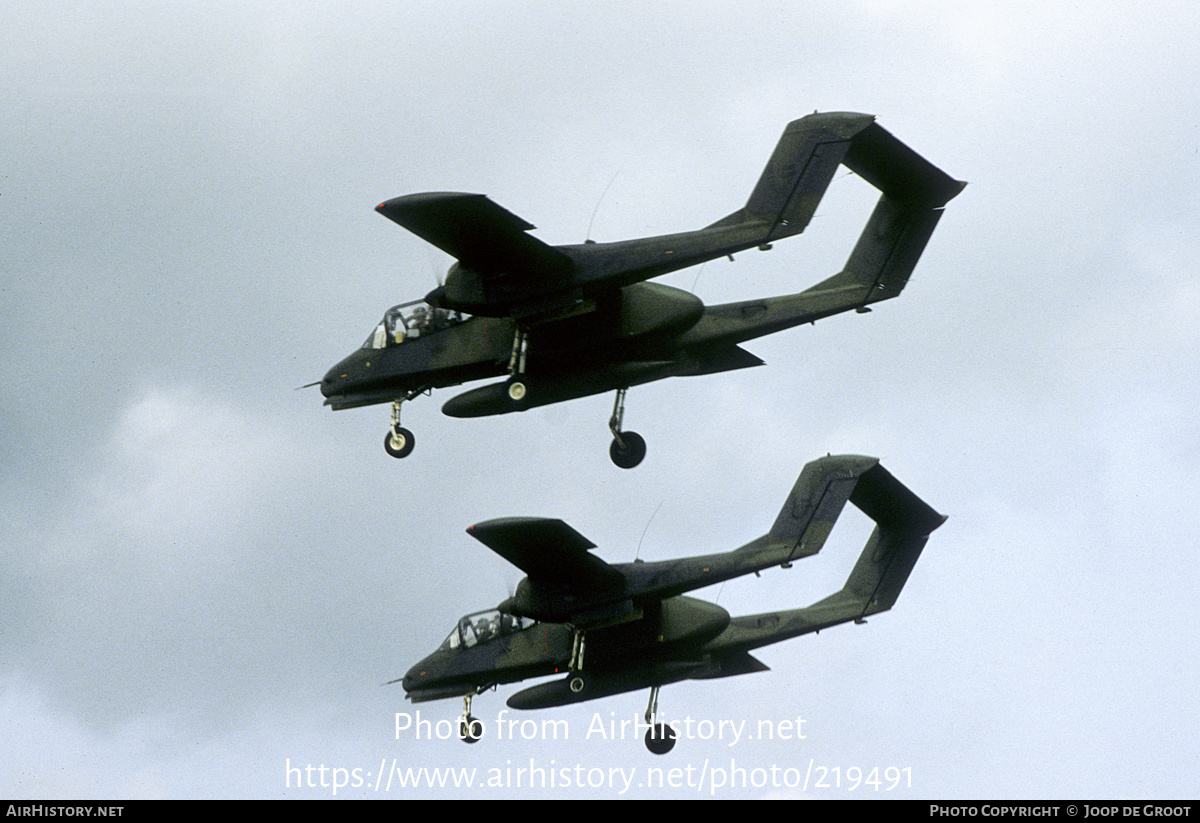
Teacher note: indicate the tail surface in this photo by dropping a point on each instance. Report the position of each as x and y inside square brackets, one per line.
[903, 523]
[913, 194]
[799, 171]
[815, 503]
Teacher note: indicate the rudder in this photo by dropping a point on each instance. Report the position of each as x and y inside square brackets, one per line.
[799, 172]
[816, 501]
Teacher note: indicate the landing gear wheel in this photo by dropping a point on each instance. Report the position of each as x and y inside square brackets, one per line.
[470, 729]
[627, 449]
[516, 391]
[577, 684]
[660, 738]
[399, 442]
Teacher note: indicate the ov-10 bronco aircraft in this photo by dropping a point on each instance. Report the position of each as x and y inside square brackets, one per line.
[615, 628]
[570, 321]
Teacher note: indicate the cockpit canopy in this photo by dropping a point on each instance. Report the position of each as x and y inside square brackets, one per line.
[483, 627]
[408, 321]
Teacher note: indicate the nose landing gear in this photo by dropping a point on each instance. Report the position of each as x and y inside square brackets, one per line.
[470, 729]
[399, 441]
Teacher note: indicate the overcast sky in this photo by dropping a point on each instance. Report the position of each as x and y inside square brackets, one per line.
[206, 577]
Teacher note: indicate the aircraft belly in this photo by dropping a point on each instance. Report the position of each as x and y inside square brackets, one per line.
[545, 389]
[602, 684]
[669, 635]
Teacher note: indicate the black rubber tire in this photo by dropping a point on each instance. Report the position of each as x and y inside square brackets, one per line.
[660, 738]
[630, 453]
[470, 730]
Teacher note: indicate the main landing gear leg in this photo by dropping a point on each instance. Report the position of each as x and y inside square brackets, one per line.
[577, 682]
[660, 738]
[399, 441]
[516, 367]
[628, 448]
[470, 729]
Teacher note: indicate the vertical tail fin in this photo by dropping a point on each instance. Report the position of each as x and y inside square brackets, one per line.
[887, 251]
[815, 503]
[903, 525]
[914, 191]
[798, 173]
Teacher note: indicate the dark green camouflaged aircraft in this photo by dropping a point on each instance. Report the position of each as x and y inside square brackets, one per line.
[634, 623]
[570, 321]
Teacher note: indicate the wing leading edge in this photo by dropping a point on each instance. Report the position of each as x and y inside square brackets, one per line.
[549, 551]
[480, 234]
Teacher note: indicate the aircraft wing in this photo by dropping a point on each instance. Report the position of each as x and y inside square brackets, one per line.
[549, 551]
[482, 236]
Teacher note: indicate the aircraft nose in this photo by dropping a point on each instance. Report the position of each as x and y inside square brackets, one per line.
[426, 674]
[413, 677]
[334, 380]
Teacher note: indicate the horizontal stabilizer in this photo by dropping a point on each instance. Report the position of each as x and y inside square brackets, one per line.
[899, 172]
[893, 505]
